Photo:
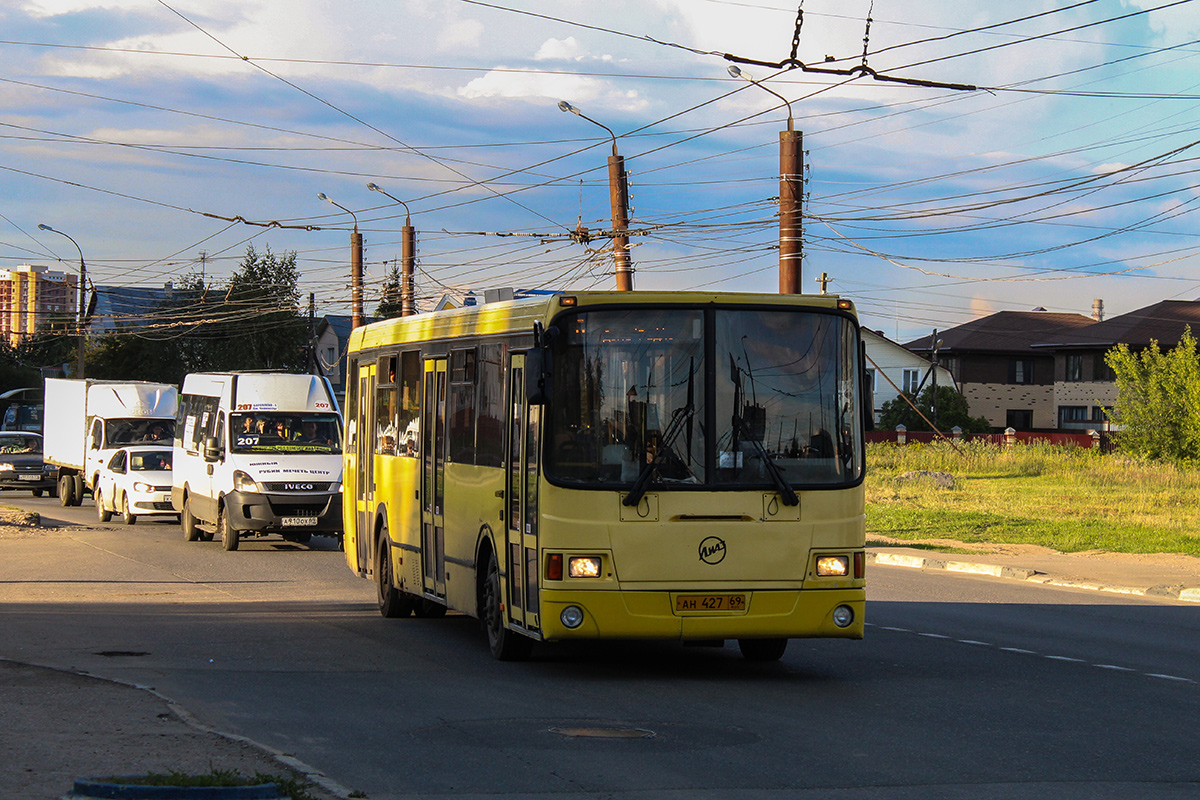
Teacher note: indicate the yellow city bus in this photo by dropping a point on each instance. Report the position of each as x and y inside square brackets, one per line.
[591, 465]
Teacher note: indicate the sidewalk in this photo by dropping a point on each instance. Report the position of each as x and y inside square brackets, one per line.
[1170, 577]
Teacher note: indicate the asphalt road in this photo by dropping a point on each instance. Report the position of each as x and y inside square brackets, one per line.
[964, 686]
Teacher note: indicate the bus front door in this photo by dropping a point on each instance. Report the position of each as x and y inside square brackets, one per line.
[521, 496]
[433, 477]
[364, 474]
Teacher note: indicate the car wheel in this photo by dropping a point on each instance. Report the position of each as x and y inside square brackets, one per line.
[191, 531]
[229, 537]
[36, 492]
[102, 513]
[505, 644]
[129, 517]
[762, 649]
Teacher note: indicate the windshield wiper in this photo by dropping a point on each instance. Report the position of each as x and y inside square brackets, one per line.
[679, 417]
[789, 495]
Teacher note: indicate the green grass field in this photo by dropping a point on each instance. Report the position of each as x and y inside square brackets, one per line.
[1065, 498]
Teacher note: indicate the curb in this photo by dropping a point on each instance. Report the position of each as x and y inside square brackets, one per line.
[1187, 595]
[294, 764]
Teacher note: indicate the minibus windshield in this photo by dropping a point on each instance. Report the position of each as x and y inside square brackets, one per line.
[285, 432]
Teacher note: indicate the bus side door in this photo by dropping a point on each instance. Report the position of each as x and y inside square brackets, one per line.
[433, 480]
[520, 494]
[364, 474]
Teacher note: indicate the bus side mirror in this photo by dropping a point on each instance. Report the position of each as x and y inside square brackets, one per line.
[537, 379]
[212, 449]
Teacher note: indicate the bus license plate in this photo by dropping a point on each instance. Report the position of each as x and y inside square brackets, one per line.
[298, 521]
[710, 602]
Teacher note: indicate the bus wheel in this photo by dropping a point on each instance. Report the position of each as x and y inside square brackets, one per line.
[66, 491]
[762, 649]
[506, 645]
[191, 531]
[229, 537]
[392, 603]
[102, 513]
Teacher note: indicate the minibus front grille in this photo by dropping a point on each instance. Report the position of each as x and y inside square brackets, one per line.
[297, 486]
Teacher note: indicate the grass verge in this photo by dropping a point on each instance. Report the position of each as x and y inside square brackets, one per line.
[1065, 498]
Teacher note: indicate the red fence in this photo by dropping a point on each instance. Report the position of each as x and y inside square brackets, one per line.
[1099, 439]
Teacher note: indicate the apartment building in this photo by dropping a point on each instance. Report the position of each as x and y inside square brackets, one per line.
[30, 295]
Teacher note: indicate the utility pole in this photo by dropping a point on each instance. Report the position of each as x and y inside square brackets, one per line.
[618, 194]
[934, 377]
[791, 222]
[313, 364]
[81, 315]
[408, 255]
[824, 281]
[356, 258]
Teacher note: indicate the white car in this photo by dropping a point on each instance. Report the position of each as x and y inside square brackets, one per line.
[135, 482]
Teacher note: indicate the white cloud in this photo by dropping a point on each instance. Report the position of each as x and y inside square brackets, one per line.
[559, 49]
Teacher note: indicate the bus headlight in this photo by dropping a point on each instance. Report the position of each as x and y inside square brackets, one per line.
[843, 616]
[833, 566]
[243, 482]
[583, 567]
[572, 617]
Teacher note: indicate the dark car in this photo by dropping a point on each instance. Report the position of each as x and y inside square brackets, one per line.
[21, 465]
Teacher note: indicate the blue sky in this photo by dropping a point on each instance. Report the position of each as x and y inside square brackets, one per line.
[1068, 175]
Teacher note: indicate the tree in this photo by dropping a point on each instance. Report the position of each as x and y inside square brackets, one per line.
[390, 305]
[952, 411]
[1157, 412]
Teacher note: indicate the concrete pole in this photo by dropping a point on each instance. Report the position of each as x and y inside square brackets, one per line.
[408, 248]
[356, 290]
[618, 192]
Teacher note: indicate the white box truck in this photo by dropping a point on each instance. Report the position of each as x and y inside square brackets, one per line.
[257, 453]
[86, 420]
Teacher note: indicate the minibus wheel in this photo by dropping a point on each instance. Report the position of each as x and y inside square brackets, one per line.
[229, 537]
[505, 644]
[392, 603]
[191, 531]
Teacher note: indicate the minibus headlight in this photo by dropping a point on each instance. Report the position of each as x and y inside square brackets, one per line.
[583, 566]
[833, 566]
[243, 482]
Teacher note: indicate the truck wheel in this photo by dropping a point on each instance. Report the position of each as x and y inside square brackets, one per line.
[77, 482]
[191, 531]
[229, 537]
[102, 513]
[66, 491]
[130, 518]
[505, 644]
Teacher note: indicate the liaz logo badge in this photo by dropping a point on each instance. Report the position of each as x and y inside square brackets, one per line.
[297, 487]
[712, 550]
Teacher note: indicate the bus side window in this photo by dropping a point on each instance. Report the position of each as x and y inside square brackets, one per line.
[408, 417]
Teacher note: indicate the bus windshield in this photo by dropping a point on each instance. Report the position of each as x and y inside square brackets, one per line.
[706, 398]
[285, 432]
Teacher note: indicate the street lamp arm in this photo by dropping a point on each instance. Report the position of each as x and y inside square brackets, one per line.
[563, 105]
[326, 198]
[737, 73]
[375, 187]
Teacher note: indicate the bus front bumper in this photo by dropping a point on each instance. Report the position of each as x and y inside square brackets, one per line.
[790, 614]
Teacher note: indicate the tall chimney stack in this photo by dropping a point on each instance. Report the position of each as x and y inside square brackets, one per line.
[1098, 310]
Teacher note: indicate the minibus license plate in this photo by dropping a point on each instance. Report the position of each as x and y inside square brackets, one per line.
[710, 602]
[298, 521]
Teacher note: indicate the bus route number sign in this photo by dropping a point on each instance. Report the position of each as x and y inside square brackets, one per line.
[710, 602]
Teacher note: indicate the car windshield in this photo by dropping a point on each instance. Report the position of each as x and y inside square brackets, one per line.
[13, 445]
[285, 432]
[712, 398]
[150, 460]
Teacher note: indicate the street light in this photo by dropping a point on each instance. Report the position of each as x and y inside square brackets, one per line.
[356, 255]
[791, 188]
[79, 312]
[408, 249]
[618, 193]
